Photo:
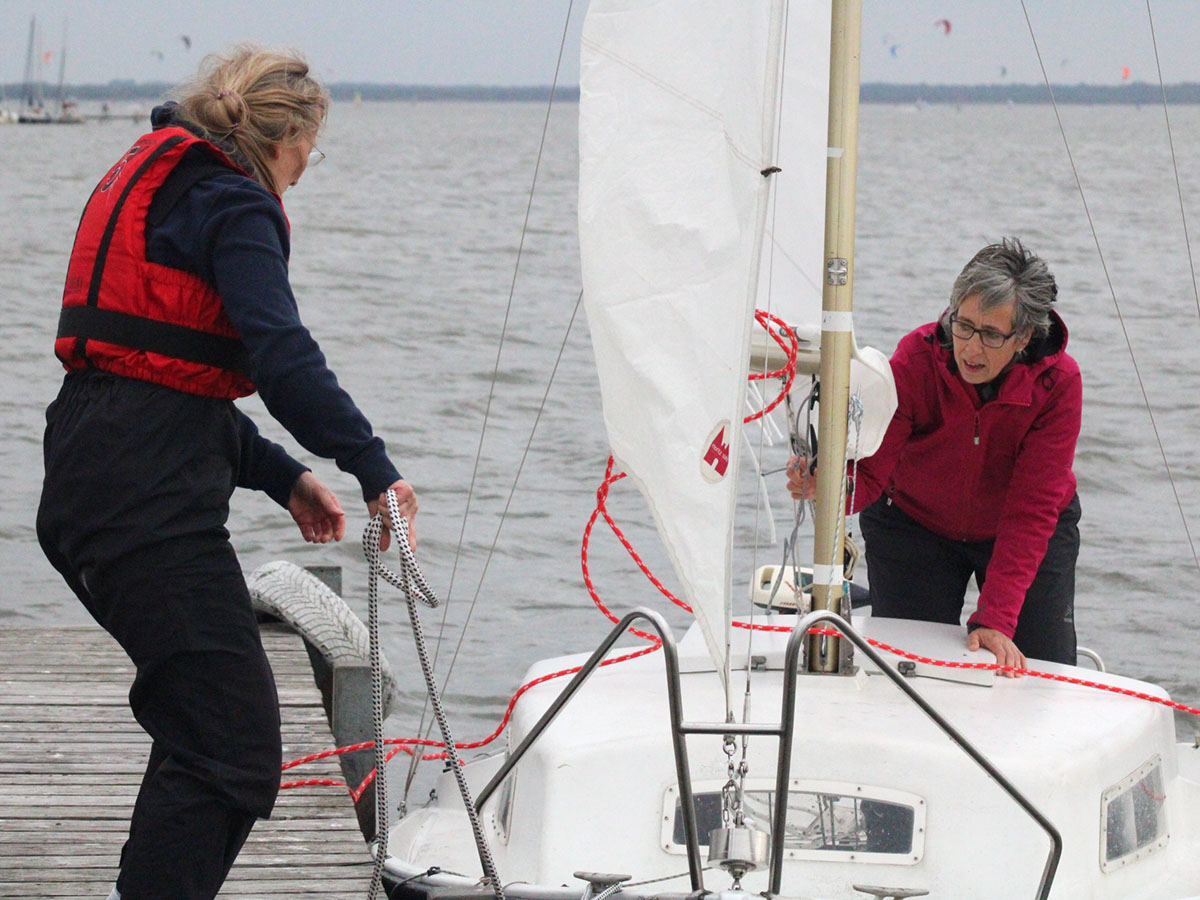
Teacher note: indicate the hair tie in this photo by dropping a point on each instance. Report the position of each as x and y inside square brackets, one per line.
[221, 95]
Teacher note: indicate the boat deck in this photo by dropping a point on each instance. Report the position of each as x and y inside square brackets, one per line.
[72, 756]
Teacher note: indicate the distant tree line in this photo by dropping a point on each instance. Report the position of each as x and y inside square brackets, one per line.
[120, 90]
[1137, 93]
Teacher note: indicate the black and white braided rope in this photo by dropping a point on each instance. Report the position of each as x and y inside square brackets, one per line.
[413, 584]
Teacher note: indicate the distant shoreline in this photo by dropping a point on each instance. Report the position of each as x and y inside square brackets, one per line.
[1138, 93]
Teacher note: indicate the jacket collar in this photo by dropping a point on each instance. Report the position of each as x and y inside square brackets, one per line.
[167, 115]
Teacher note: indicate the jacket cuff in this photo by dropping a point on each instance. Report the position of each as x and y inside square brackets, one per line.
[986, 619]
[280, 489]
[377, 480]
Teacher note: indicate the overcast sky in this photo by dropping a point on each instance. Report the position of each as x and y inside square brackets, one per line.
[515, 42]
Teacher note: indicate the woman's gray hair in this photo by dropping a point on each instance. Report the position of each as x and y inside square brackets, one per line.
[1007, 272]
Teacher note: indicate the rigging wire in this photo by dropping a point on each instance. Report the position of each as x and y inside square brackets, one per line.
[487, 411]
[780, 22]
[1113, 293]
[513, 488]
[758, 504]
[1174, 162]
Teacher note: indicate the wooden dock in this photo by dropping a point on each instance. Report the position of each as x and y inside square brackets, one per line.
[72, 756]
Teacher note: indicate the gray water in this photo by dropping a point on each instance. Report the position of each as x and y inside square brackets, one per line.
[405, 243]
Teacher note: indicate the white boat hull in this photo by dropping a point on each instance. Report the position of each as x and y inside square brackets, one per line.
[597, 792]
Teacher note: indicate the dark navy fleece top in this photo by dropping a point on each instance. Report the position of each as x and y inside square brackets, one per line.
[231, 231]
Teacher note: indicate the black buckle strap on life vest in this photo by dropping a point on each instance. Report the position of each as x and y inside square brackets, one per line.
[90, 323]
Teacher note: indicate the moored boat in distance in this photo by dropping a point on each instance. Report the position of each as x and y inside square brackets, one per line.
[34, 110]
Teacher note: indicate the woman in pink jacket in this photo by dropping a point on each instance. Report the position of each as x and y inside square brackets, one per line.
[974, 474]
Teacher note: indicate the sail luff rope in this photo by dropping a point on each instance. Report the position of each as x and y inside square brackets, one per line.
[1174, 162]
[1113, 293]
[488, 407]
[759, 494]
[758, 501]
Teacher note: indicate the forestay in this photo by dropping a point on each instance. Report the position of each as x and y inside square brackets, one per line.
[677, 120]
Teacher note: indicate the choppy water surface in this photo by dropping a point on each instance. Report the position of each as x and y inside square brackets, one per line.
[404, 252]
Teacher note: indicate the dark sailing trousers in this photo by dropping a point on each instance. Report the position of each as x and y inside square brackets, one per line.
[133, 510]
[916, 574]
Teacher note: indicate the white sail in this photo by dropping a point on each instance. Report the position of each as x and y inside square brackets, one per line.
[671, 210]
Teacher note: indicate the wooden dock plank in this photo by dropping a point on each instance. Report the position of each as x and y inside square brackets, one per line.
[72, 756]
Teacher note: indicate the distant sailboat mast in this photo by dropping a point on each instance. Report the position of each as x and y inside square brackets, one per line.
[837, 335]
[27, 87]
[62, 70]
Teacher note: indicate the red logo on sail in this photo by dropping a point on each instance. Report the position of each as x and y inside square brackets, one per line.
[716, 457]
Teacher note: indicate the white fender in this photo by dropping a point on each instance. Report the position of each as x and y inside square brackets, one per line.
[872, 382]
[297, 597]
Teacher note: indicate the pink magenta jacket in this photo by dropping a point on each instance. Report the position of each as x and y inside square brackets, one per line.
[973, 471]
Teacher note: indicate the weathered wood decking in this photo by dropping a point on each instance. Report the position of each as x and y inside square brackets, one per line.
[72, 756]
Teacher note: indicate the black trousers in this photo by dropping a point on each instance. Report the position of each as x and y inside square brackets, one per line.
[132, 514]
[916, 574]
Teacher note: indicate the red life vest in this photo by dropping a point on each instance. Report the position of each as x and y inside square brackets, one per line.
[126, 315]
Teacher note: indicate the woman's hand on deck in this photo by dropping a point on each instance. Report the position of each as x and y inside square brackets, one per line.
[1000, 645]
[406, 498]
[802, 478]
[316, 510]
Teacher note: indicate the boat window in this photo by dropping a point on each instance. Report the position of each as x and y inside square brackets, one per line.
[824, 821]
[1133, 817]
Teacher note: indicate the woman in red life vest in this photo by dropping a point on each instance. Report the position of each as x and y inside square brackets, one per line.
[974, 474]
[176, 303]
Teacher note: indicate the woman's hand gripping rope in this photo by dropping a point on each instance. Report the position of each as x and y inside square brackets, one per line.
[406, 506]
[389, 508]
[802, 478]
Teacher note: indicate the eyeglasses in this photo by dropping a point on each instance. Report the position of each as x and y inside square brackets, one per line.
[314, 157]
[987, 336]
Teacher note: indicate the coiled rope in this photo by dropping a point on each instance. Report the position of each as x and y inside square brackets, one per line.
[412, 583]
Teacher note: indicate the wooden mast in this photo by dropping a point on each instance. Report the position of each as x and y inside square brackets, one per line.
[836, 324]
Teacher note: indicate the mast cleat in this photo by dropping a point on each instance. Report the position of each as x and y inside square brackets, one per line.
[889, 893]
[600, 883]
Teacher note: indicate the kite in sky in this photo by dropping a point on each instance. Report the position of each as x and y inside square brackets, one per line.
[944, 24]
[187, 41]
